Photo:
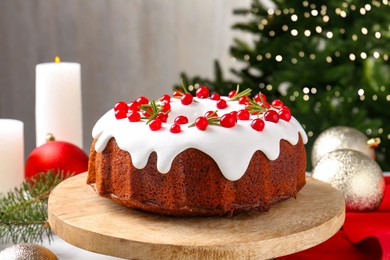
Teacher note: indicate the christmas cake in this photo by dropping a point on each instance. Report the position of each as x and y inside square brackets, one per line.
[202, 155]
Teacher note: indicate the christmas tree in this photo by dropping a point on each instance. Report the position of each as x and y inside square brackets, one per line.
[327, 60]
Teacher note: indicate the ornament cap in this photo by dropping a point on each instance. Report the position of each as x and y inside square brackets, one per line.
[50, 137]
[374, 142]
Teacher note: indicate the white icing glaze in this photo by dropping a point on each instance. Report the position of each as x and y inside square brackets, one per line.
[231, 148]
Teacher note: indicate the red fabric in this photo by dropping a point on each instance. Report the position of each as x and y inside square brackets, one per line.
[364, 235]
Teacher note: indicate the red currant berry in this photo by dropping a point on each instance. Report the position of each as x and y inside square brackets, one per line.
[228, 120]
[175, 128]
[234, 114]
[120, 114]
[134, 106]
[165, 98]
[162, 116]
[285, 114]
[181, 120]
[215, 96]
[258, 99]
[277, 103]
[178, 93]
[166, 106]
[186, 99]
[134, 116]
[221, 104]
[201, 123]
[211, 114]
[243, 114]
[243, 100]
[232, 93]
[258, 124]
[155, 124]
[202, 92]
[143, 100]
[271, 116]
[121, 106]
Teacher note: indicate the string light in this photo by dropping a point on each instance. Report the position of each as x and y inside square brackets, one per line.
[364, 30]
[294, 61]
[325, 18]
[268, 55]
[367, 7]
[246, 57]
[378, 35]
[270, 11]
[294, 32]
[294, 17]
[285, 27]
[318, 29]
[363, 55]
[259, 57]
[376, 55]
[306, 14]
[362, 11]
[314, 12]
[354, 37]
[307, 33]
[329, 35]
[328, 59]
[278, 58]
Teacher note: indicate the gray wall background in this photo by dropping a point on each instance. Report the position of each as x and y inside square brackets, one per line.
[126, 48]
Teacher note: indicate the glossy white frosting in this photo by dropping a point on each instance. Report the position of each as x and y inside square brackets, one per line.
[231, 148]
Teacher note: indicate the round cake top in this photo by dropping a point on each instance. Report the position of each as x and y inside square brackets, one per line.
[229, 129]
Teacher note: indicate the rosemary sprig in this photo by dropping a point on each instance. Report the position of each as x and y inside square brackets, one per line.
[23, 211]
[239, 94]
[184, 87]
[257, 108]
[155, 110]
[212, 119]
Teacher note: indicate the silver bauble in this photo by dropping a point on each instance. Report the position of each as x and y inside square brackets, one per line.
[340, 137]
[358, 177]
[27, 251]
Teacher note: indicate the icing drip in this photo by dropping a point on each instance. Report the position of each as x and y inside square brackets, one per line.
[231, 148]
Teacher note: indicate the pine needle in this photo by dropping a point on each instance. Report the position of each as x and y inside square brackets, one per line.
[23, 211]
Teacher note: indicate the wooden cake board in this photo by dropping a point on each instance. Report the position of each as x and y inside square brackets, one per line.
[84, 219]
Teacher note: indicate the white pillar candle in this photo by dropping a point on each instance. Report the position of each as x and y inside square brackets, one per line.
[11, 154]
[58, 102]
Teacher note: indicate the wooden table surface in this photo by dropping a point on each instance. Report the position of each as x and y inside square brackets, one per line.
[84, 219]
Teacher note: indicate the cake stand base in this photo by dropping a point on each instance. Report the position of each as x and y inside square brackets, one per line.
[84, 219]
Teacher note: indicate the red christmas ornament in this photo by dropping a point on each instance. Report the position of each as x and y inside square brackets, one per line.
[56, 155]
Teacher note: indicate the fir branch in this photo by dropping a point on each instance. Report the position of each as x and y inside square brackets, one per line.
[23, 211]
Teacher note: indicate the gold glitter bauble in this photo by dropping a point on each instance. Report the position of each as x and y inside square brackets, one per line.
[340, 137]
[357, 176]
[27, 251]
